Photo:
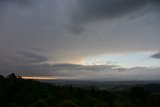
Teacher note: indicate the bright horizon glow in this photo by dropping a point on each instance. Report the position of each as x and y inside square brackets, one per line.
[49, 77]
[125, 60]
[40, 77]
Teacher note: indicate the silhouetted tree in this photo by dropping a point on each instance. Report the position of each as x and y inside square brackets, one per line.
[11, 76]
[123, 104]
[1, 77]
[13, 105]
[139, 93]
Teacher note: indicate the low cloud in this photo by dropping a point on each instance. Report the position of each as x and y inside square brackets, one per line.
[24, 63]
[30, 57]
[156, 55]
[33, 64]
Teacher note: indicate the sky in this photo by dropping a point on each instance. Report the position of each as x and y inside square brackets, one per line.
[80, 39]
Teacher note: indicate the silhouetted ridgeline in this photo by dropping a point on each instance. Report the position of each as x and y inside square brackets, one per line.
[17, 92]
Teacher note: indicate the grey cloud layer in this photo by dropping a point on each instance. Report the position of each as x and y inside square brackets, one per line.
[45, 24]
[94, 10]
[71, 71]
[112, 8]
[70, 29]
[33, 58]
[24, 63]
[29, 63]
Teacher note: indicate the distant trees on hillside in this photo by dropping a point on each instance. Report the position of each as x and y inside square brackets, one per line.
[17, 92]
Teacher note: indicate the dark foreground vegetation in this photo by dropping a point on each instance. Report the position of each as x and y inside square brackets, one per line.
[17, 92]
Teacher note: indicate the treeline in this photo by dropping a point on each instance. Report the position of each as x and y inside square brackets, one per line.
[18, 92]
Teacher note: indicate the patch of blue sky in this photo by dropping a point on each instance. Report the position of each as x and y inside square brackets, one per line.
[125, 60]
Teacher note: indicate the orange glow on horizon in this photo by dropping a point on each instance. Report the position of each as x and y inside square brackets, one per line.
[39, 78]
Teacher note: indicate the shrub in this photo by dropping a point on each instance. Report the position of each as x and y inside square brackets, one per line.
[68, 103]
[39, 103]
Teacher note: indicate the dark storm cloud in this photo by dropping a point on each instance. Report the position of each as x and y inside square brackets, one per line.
[94, 10]
[45, 24]
[156, 55]
[109, 8]
[82, 11]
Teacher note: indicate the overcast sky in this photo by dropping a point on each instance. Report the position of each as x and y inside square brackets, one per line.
[81, 39]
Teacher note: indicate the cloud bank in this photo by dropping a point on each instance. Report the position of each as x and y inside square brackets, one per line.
[156, 55]
[31, 64]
